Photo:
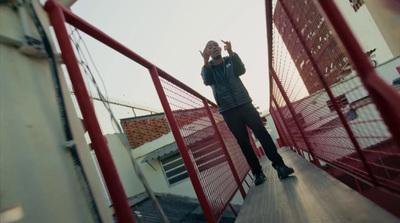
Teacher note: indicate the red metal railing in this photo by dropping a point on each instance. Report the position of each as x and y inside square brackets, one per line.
[340, 118]
[214, 161]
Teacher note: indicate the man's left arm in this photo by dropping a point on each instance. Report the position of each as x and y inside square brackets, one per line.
[238, 66]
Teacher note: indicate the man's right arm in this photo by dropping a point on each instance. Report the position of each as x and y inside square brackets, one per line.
[206, 71]
[207, 75]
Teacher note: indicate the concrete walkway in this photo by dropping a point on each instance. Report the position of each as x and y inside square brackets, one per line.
[310, 196]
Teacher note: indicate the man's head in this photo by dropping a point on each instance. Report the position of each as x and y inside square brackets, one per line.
[214, 49]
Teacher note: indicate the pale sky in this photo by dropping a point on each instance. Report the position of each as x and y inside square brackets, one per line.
[170, 34]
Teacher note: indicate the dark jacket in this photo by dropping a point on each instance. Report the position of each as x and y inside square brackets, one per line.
[229, 91]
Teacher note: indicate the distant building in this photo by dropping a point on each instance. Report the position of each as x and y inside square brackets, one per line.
[334, 65]
[154, 147]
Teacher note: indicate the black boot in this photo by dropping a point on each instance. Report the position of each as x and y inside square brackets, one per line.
[260, 178]
[283, 171]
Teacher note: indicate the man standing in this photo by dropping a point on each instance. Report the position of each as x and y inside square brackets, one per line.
[234, 104]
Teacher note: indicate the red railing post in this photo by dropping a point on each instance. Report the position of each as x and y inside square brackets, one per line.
[278, 126]
[384, 96]
[281, 133]
[121, 206]
[268, 17]
[331, 97]
[233, 210]
[287, 128]
[155, 73]
[357, 185]
[293, 113]
[226, 152]
[253, 144]
[208, 213]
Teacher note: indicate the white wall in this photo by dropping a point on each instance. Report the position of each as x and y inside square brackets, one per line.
[155, 177]
[365, 29]
[388, 20]
[37, 171]
[387, 71]
[127, 174]
[153, 173]
[148, 147]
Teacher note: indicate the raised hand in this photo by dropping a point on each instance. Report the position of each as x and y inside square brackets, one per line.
[205, 54]
[228, 47]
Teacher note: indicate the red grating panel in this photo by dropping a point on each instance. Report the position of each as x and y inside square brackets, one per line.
[242, 168]
[197, 127]
[321, 105]
[204, 147]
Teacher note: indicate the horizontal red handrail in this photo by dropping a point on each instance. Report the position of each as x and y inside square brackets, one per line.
[92, 31]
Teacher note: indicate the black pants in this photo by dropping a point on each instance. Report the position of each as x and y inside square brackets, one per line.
[246, 115]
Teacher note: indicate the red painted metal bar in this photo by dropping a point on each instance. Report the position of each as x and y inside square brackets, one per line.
[287, 128]
[311, 158]
[367, 182]
[226, 152]
[233, 210]
[384, 96]
[282, 134]
[121, 206]
[293, 113]
[268, 15]
[250, 176]
[357, 185]
[208, 213]
[324, 83]
[278, 126]
[97, 34]
[171, 79]
[246, 183]
[253, 144]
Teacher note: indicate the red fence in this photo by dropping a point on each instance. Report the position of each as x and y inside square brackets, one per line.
[214, 161]
[342, 119]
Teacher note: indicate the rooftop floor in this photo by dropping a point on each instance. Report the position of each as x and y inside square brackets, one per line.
[309, 195]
